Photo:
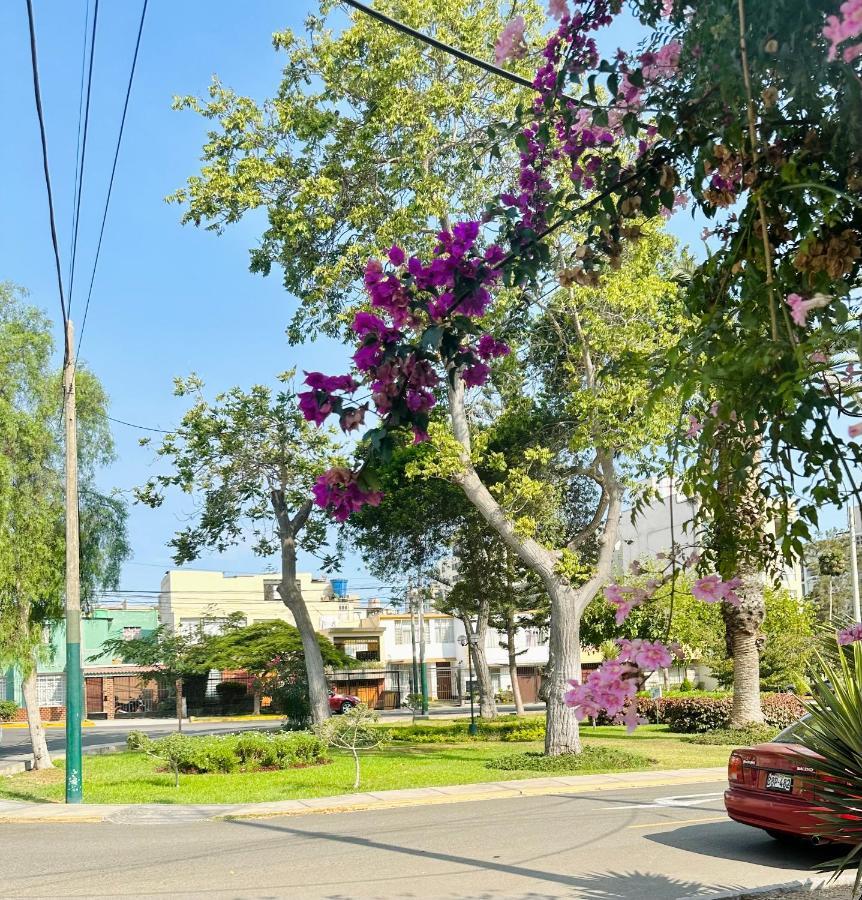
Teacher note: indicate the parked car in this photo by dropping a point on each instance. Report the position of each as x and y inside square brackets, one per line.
[774, 786]
[342, 702]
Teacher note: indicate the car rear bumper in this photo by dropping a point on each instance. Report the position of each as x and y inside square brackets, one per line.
[772, 811]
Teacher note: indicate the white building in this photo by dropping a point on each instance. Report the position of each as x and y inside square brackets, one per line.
[651, 531]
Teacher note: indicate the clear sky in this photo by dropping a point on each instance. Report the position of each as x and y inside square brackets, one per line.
[168, 299]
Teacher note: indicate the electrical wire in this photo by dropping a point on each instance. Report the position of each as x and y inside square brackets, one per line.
[133, 424]
[113, 173]
[39, 112]
[440, 45]
[80, 114]
[83, 155]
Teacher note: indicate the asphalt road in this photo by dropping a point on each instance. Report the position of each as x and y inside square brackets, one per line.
[16, 741]
[605, 845]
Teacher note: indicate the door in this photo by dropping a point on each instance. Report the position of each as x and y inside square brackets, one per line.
[95, 696]
[528, 682]
[444, 682]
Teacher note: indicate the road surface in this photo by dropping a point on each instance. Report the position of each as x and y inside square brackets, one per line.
[16, 741]
[637, 845]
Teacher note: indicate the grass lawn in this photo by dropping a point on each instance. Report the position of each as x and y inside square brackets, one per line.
[135, 777]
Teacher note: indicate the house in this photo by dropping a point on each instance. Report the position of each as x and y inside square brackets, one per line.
[110, 684]
[195, 599]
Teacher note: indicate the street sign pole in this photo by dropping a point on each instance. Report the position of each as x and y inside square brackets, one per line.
[74, 673]
[854, 566]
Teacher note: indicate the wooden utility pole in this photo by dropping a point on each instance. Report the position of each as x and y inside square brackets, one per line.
[74, 673]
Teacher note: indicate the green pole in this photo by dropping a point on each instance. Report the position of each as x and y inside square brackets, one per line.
[423, 674]
[74, 704]
[74, 673]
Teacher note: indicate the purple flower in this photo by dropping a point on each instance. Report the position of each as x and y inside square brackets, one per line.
[476, 375]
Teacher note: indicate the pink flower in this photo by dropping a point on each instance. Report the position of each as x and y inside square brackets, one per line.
[818, 357]
[631, 719]
[510, 44]
[653, 656]
[800, 307]
[352, 418]
[339, 491]
[476, 375]
[488, 348]
[712, 589]
[396, 255]
[558, 9]
[850, 635]
[666, 9]
[663, 63]
[855, 430]
[694, 427]
[836, 30]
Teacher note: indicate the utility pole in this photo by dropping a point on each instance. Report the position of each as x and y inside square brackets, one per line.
[411, 605]
[854, 566]
[423, 675]
[74, 673]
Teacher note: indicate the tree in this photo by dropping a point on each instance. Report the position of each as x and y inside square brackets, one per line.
[369, 138]
[32, 537]
[353, 731]
[253, 459]
[262, 648]
[170, 656]
[829, 560]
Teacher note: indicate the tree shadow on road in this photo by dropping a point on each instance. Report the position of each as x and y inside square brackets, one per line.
[591, 886]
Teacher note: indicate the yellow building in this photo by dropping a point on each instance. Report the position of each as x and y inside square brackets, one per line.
[190, 599]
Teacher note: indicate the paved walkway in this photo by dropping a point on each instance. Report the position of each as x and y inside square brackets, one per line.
[141, 814]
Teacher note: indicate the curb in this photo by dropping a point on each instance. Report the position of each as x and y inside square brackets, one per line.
[87, 723]
[236, 719]
[809, 885]
[58, 813]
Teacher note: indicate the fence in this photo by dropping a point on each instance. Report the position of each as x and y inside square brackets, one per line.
[237, 692]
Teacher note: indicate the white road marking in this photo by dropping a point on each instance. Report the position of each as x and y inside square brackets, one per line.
[665, 802]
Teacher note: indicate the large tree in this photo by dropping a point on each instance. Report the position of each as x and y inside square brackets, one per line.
[32, 534]
[369, 139]
[252, 459]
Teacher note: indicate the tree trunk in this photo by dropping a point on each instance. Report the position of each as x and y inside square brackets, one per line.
[742, 626]
[178, 685]
[356, 765]
[318, 689]
[561, 728]
[513, 663]
[41, 756]
[482, 674]
[567, 604]
[256, 701]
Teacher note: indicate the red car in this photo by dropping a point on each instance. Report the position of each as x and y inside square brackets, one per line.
[771, 788]
[342, 702]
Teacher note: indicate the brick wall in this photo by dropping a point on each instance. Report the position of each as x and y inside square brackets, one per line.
[48, 714]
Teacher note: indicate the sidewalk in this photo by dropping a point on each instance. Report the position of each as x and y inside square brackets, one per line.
[14, 812]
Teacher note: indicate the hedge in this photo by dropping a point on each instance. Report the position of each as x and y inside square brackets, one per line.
[250, 751]
[689, 715]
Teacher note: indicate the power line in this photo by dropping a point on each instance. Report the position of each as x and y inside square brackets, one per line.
[113, 172]
[132, 424]
[80, 112]
[440, 45]
[80, 173]
[38, 96]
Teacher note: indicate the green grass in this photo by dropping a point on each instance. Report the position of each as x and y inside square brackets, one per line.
[135, 777]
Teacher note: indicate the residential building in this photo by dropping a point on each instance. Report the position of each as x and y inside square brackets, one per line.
[670, 517]
[109, 682]
[195, 599]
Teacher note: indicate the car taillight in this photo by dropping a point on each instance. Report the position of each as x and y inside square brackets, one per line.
[734, 768]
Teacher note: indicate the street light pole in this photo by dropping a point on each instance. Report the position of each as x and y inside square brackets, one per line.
[464, 641]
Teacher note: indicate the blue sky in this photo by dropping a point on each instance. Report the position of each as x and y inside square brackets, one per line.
[168, 299]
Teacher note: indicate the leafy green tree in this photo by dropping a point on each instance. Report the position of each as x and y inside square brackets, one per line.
[32, 536]
[369, 139]
[253, 459]
[828, 559]
[263, 648]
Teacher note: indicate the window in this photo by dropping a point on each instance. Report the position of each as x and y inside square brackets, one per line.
[2, 687]
[403, 634]
[328, 622]
[492, 641]
[51, 690]
[131, 632]
[444, 631]
[196, 628]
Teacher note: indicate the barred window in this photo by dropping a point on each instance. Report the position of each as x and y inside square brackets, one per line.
[131, 632]
[51, 690]
[444, 631]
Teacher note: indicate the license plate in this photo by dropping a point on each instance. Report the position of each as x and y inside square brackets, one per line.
[776, 781]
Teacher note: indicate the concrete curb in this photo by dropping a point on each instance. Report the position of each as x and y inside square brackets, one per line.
[58, 813]
[809, 885]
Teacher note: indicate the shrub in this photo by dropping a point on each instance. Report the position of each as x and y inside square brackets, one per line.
[593, 758]
[504, 697]
[353, 731]
[137, 740]
[8, 709]
[695, 713]
[738, 737]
